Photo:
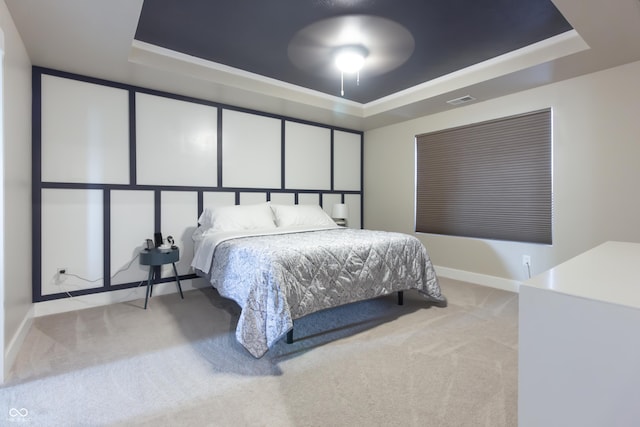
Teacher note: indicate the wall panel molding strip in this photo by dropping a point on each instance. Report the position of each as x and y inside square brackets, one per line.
[139, 156]
[106, 231]
[132, 138]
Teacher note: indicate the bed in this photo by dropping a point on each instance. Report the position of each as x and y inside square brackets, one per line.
[280, 263]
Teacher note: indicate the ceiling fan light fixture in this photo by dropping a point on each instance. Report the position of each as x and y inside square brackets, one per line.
[350, 59]
[351, 45]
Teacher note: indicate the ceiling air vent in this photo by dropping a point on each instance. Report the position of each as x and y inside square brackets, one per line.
[461, 100]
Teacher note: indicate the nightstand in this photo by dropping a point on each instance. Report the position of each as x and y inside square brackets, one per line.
[155, 258]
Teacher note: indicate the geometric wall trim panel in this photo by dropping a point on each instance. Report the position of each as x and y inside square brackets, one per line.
[151, 162]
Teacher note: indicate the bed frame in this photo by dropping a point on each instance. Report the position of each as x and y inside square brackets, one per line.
[290, 333]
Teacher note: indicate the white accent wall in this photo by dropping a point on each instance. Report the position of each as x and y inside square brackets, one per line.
[15, 179]
[175, 142]
[84, 139]
[251, 146]
[119, 163]
[596, 171]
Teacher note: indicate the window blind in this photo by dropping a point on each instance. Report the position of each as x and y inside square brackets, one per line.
[488, 180]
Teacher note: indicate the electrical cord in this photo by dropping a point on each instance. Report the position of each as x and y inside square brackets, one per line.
[529, 270]
[126, 267]
[76, 298]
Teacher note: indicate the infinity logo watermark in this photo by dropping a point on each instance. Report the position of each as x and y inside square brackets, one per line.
[18, 414]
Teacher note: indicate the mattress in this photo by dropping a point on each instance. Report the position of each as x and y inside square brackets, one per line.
[278, 277]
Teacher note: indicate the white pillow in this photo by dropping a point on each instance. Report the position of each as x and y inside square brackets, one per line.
[301, 215]
[237, 217]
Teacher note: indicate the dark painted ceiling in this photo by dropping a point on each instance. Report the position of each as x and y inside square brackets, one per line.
[255, 36]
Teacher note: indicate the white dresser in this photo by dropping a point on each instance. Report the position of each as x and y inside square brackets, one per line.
[579, 341]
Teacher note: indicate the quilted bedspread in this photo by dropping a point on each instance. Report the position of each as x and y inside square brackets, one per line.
[281, 277]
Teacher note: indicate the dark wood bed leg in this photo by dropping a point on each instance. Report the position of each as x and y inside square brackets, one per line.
[290, 336]
[400, 298]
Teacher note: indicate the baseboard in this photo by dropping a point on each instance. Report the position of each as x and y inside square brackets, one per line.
[479, 279]
[105, 298]
[64, 305]
[11, 352]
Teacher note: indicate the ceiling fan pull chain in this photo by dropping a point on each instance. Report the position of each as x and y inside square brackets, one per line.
[342, 83]
[358, 79]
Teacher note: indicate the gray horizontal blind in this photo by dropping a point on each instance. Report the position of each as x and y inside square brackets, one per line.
[487, 180]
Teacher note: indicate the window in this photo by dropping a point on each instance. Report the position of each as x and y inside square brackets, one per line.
[489, 180]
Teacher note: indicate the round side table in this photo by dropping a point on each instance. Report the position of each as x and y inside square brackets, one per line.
[155, 258]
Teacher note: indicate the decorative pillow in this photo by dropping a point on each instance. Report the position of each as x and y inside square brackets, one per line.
[237, 217]
[301, 215]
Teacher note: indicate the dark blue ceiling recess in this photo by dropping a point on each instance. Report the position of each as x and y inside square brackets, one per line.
[257, 36]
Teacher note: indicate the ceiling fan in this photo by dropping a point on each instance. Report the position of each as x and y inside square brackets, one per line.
[351, 44]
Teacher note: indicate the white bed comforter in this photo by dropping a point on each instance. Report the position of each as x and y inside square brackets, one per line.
[276, 277]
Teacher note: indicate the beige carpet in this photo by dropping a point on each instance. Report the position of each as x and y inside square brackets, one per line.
[371, 364]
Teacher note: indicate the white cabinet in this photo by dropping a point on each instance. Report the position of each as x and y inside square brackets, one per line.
[579, 341]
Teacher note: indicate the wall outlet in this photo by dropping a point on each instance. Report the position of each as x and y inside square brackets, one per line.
[526, 264]
[60, 277]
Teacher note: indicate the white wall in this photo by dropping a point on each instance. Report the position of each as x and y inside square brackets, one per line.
[176, 162]
[596, 171]
[16, 180]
